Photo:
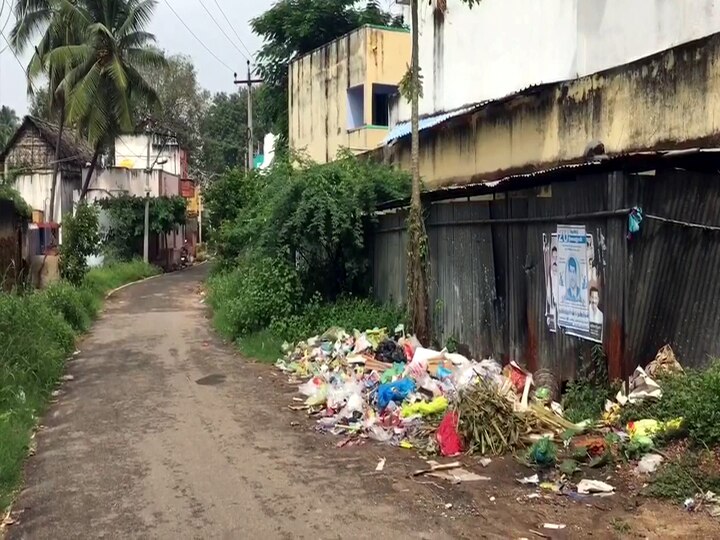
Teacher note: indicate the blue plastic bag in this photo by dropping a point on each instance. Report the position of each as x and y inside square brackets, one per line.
[634, 220]
[394, 391]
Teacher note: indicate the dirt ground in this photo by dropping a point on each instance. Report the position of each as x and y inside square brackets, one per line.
[165, 432]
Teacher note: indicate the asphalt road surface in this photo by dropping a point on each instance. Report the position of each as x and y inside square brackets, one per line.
[165, 432]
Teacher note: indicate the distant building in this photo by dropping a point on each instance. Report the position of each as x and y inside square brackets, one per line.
[28, 161]
[340, 93]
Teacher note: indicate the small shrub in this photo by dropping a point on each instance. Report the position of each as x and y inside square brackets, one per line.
[80, 240]
[694, 396]
[248, 298]
[584, 400]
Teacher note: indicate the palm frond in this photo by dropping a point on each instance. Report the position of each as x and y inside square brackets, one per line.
[146, 58]
[136, 39]
[27, 26]
[139, 16]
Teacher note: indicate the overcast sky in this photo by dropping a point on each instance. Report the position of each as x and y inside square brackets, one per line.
[174, 38]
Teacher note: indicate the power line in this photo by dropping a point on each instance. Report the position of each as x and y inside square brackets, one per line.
[18, 61]
[222, 30]
[197, 38]
[232, 27]
[2, 8]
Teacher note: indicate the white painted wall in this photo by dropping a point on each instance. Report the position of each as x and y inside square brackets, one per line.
[35, 189]
[116, 181]
[133, 149]
[502, 46]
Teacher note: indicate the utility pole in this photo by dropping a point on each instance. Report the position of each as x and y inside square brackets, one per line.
[249, 81]
[148, 171]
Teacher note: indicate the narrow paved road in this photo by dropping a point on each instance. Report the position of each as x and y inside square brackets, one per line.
[166, 433]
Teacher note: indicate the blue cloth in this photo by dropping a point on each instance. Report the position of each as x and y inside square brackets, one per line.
[394, 391]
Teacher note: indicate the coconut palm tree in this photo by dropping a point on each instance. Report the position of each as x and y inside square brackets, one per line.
[104, 79]
[53, 21]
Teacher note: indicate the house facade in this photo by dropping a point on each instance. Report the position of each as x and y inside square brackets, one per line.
[340, 93]
[28, 161]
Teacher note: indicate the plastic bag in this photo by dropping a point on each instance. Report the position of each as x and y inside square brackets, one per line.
[394, 391]
[311, 387]
[389, 374]
[377, 433]
[338, 395]
[319, 397]
[354, 405]
[362, 343]
[436, 406]
[418, 367]
[447, 435]
[390, 352]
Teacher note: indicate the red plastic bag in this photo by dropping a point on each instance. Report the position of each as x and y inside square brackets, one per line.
[447, 435]
[517, 376]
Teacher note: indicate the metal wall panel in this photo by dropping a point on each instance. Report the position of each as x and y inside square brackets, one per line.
[487, 279]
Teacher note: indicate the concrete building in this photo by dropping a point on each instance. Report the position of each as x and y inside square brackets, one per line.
[500, 47]
[340, 94]
[131, 153]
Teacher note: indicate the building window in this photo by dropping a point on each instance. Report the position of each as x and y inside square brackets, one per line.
[356, 107]
[381, 98]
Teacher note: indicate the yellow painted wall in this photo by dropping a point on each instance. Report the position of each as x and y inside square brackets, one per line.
[319, 81]
[669, 100]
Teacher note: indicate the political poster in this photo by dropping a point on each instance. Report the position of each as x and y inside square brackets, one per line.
[572, 283]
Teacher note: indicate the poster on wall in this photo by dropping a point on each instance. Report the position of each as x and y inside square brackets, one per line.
[572, 286]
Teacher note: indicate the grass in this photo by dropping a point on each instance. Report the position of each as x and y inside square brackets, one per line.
[690, 473]
[104, 279]
[263, 346]
[37, 333]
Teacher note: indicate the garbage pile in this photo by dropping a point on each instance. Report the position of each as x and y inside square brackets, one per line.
[387, 387]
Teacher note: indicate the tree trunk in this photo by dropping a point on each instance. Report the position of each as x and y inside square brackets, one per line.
[90, 172]
[56, 165]
[418, 302]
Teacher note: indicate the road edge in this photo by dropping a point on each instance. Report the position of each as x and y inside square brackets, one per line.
[143, 280]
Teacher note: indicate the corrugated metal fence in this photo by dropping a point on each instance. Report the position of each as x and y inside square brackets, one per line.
[488, 269]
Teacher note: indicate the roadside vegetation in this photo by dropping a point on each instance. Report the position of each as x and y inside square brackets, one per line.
[293, 257]
[38, 330]
[690, 451]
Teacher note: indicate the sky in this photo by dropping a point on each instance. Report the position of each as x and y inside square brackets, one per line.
[172, 36]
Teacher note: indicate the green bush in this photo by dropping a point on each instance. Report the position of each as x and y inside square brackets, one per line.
[319, 214]
[694, 396]
[248, 298]
[585, 400]
[80, 240]
[348, 313]
[126, 215]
